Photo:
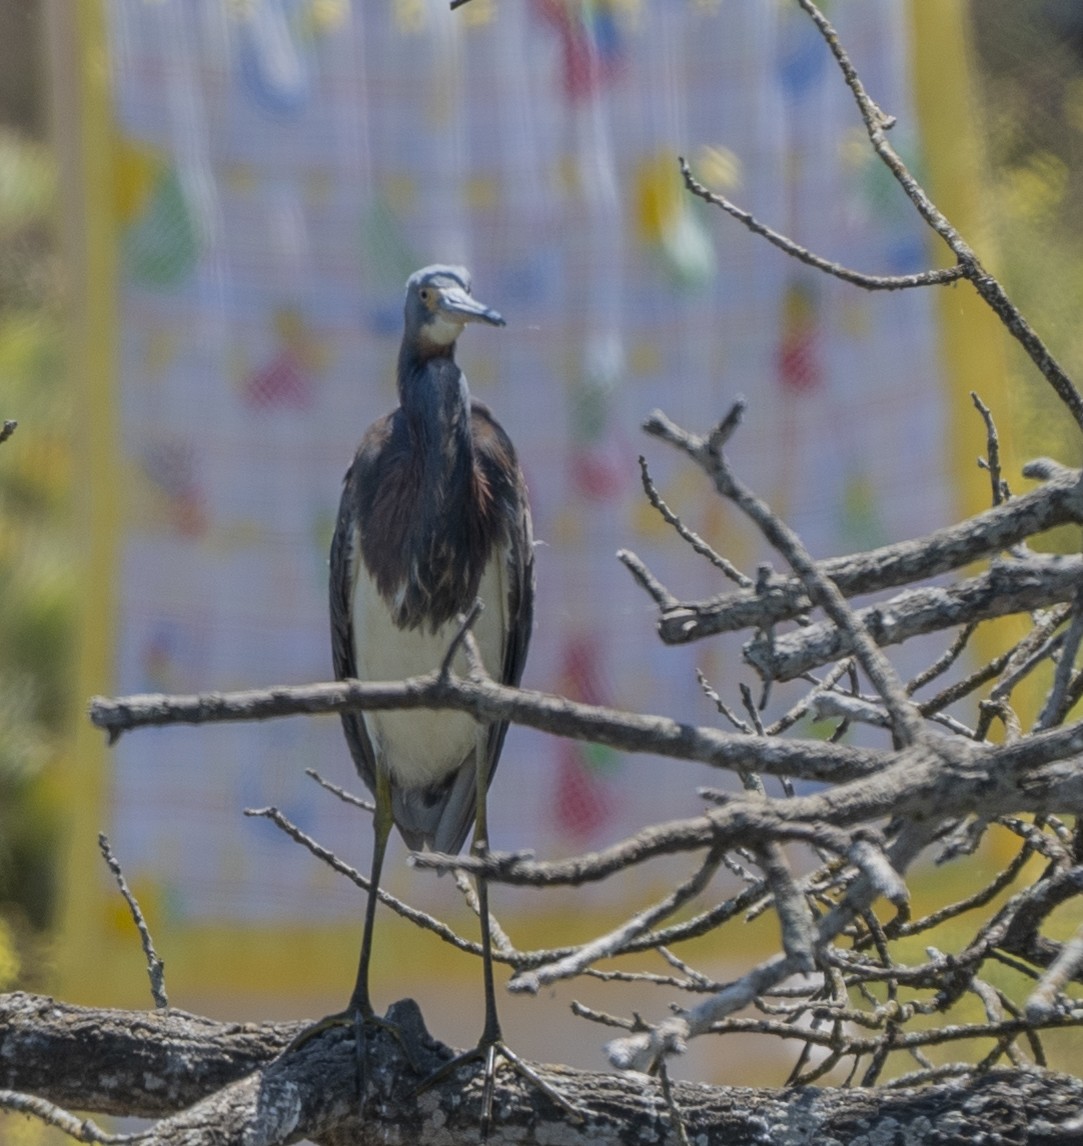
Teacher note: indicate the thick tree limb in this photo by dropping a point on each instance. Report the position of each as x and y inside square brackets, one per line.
[142, 1063]
[238, 1092]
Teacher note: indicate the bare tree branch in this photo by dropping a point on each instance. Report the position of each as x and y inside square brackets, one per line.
[488, 701]
[237, 1091]
[695, 542]
[821, 589]
[79, 1129]
[802, 254]
[1009, 586]
[1058, 502]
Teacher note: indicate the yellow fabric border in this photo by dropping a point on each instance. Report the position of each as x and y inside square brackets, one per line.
[972, 338]
[974, 344]
[77, 47]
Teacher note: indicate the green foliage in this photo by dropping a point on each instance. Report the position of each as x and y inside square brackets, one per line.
[36, 581]
[1030, 69]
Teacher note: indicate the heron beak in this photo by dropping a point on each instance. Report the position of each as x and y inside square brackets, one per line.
[457, 306]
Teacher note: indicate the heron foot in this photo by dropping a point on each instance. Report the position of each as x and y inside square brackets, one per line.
[487, 1052]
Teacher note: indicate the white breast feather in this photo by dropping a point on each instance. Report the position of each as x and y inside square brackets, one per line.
[419, 747]
[440, 331]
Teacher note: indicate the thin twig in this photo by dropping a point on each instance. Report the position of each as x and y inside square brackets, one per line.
[155, 966]
[820, 589]
[1056, 703]
[802, 254]
[986, 285]
[1038, 645]
[581, 1011]
[1042, 1004]
[1000, 492]
[646, 580]
[727, 568]
[418, 918]
[721, 706]
[81, 1129]
[615, 941]
[466, 624]
[499, 936]
[651, 977]
[671, 1105]
[807, 703]
[345, 796]
[944, 661]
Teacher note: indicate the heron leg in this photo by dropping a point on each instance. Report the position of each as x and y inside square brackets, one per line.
[491, 1044]
[490, 1034]
[360, 1001]
[359, 1012]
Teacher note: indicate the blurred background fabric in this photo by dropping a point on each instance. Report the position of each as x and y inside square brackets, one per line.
[275, 172]
[245, 188]
[280, 170]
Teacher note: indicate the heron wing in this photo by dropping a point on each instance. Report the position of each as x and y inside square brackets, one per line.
[519, 559]
[345, 556]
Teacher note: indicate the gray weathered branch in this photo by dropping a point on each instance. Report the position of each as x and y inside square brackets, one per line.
[1009, 586]
[1059, 501]
[221, 1084]
[487, 700]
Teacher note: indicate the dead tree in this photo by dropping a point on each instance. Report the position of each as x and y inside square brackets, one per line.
[844, 984]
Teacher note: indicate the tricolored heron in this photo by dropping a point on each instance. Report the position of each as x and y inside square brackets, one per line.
[433, 516]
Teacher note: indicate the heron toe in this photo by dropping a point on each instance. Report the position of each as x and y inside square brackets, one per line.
[487, 1053]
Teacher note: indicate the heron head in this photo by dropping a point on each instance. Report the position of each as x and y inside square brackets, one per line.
[439, 305]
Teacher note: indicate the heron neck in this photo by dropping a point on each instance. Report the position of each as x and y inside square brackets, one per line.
[434, 396]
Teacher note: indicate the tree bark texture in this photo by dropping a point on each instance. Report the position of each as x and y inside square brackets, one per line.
[218, 1083]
